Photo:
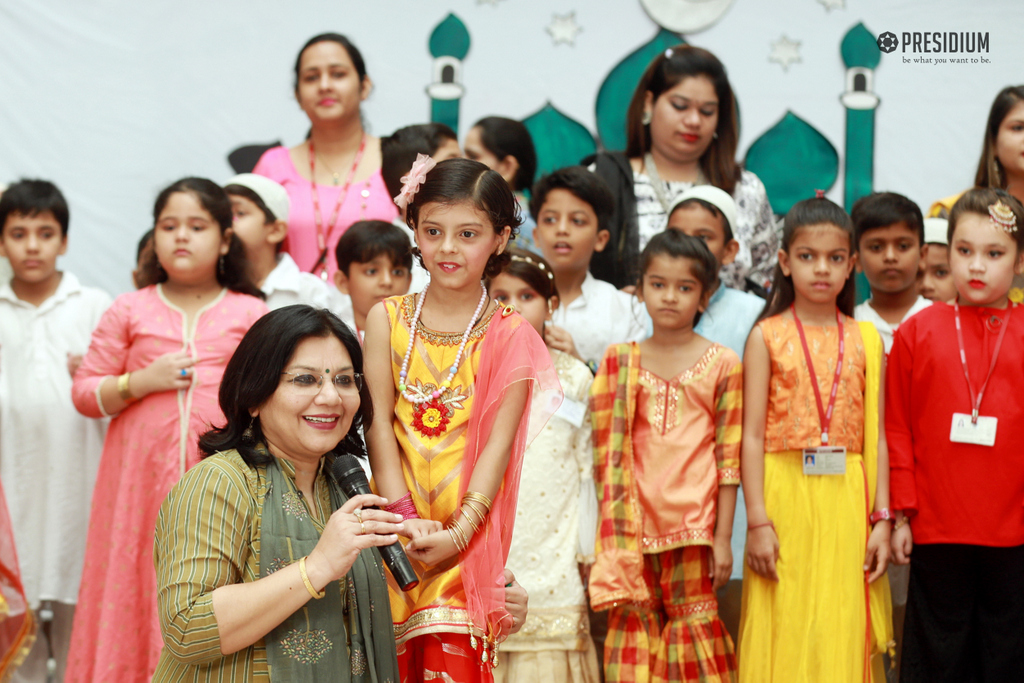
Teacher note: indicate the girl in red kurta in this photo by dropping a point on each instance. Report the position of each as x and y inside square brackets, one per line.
[666, 415]
[955, 424]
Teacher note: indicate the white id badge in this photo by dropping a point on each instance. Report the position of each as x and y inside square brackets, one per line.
[825, 460]
[981, 433]
[572, 412]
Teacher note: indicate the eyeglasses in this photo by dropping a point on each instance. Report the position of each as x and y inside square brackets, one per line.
[309, 384]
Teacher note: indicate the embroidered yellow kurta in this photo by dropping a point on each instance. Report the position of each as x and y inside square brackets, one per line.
[432, 439]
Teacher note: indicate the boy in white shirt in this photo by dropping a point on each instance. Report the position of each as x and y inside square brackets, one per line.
[374, 262]
[49, 453]
[709, 213]
[571, 206]
[261, 209]
[889, 233]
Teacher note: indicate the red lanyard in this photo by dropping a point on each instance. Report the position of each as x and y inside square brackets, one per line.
[976, 400]
[824, 416]
[321, 235]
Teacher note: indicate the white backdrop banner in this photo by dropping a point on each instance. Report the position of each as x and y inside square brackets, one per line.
[113, 100]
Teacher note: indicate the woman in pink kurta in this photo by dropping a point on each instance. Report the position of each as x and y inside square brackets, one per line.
[149, 446]
[333, 177]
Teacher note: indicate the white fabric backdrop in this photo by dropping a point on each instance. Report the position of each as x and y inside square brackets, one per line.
[113, 100]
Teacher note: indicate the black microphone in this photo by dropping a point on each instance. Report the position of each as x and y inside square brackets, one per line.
[352, 479]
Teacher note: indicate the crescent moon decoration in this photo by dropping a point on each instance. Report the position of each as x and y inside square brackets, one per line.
[685, 16]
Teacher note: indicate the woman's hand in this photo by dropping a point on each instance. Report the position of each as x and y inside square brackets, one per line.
[559, 339]
[345, 536]
[433, 548]
[163, 374]
[516, 601]
[877, 557]
[763, 551]
[721, 562]
[902, 543]
[417, 528]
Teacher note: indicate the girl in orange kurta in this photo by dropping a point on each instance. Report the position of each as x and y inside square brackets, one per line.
[815, 469]
[666, 416]
[441, 367]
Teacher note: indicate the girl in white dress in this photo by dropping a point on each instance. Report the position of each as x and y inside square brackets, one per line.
[556, 517]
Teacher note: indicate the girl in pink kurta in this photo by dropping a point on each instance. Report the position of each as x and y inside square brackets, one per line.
[155, 363]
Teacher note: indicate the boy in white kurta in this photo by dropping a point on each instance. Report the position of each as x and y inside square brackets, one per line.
[49, 453]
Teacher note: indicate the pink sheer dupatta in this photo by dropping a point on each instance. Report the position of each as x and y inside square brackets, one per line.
[17, 625]
[512, 351]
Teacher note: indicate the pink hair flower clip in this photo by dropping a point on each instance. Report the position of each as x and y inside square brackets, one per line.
[411, 183]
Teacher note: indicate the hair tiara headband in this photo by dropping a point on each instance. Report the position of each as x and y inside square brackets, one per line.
[411, 182]
[527, 259]
[1003, 217]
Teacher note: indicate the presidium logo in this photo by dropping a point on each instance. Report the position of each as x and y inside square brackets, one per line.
[954, 46]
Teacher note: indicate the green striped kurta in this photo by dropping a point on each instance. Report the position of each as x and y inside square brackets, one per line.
[207, 536]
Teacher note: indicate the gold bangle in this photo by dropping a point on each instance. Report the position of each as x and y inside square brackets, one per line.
[455, 540]
[476, 508]
[459, 536]
[902, 522]
[466, 509]
[305, 580]
[477, 497]
[122, 388]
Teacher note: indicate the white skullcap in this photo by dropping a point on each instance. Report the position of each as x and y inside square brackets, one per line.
[272, 193]
[712, 195]
[936, 231]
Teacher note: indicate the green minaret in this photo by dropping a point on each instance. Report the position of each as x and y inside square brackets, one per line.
[449, 43]
[861, 55]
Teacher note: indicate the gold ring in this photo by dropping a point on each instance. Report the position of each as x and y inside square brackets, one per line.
[359, 515]
[363, 527]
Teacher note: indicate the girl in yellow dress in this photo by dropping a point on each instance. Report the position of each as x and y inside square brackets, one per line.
[451, 373]
[815, 469]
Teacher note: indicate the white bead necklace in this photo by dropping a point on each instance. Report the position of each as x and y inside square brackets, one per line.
[402, 388]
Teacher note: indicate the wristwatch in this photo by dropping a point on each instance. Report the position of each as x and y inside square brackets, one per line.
[878, 516]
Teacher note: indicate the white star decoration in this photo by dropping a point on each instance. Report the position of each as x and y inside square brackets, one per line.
[785, 52]
[833, 4]
[564, 29]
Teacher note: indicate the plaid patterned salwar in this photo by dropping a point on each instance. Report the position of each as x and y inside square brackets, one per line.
[675, 635]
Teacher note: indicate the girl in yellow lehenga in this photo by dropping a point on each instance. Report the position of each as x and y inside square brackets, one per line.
[814, 469]
[451, 374]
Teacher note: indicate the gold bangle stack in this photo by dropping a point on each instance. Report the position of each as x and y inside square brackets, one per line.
[122, 388]
[479, 505]
[305, 580]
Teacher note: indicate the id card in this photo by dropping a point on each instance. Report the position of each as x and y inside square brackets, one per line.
[980, 433]
[825, 460]
[572, 412]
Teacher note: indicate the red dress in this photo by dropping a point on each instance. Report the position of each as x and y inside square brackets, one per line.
[958, 493]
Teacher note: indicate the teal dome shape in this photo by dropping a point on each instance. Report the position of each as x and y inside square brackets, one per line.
[793, 160]
[449, 38]
[617, 89]
[559, 139]
[859, 48]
